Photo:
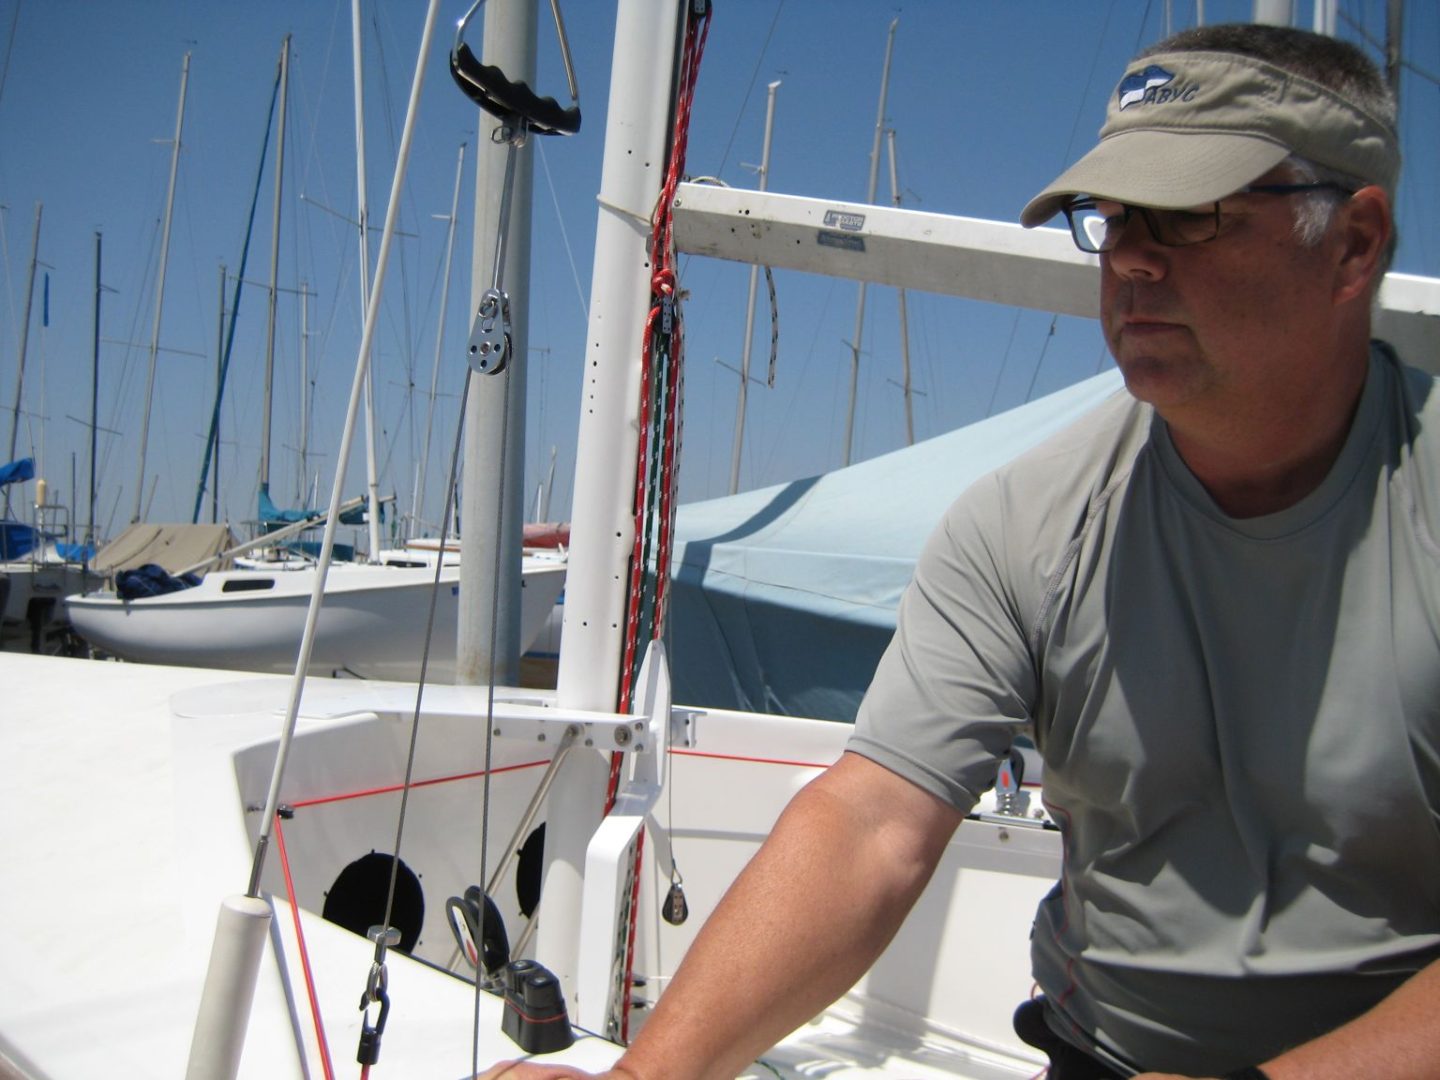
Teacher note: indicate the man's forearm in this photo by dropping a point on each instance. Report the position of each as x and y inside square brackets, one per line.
[805, 920]
[1399, 1039]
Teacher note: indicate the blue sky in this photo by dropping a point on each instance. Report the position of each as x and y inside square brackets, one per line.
[988, 99]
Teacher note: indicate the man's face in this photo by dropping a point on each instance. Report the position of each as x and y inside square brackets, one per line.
[1222, 322]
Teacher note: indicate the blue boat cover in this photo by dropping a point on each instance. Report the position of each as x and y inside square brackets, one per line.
[16, 540]
[76, 552]
[270, 514]
[784, 598]
[151, 580]
[16, 471]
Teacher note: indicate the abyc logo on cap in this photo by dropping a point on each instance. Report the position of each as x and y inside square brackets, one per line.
[1150, 87]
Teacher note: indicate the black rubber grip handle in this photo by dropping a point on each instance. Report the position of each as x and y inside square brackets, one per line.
[488, 87]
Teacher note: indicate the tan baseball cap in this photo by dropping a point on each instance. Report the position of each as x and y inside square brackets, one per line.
[1185, 128]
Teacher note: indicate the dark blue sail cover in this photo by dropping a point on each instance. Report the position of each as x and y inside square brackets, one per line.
[151, 580]
[17, 471]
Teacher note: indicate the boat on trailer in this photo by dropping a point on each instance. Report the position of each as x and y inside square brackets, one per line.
[372, 625]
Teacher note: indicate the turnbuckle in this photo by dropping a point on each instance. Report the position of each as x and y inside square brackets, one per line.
[376, 992]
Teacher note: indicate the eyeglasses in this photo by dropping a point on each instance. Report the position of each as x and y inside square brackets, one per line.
[1095, 232]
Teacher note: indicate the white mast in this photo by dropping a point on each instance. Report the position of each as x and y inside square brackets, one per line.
[274, 272]
[750, 305]
[372, 481]
[904, 316]
[160, 289]
[25, 334]
[637, 138]
[1394, 56]
[417, 502]
[487, 642]
[869, 198]
[304, 390]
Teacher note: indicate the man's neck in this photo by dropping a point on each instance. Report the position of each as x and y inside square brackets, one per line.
[1262, 461]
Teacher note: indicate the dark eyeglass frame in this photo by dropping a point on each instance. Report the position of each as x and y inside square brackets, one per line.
[1161, 222]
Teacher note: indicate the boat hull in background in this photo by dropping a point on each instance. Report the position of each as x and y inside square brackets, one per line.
[372, 624]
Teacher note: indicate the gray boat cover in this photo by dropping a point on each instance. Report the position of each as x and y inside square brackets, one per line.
[172, 547]
[784, 598]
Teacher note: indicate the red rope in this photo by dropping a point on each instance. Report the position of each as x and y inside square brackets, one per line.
[304, 953]
[665, 300]
[321, 800]
[630, 942]
[751, 760]
[664, 295]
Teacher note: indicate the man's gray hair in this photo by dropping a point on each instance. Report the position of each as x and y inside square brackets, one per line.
[1315, 210]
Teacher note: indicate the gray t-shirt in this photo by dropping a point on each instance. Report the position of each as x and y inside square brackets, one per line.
[1239, 719]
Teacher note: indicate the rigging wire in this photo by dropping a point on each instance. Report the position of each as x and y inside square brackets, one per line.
[749, 88]
[9, 48]
[564, 233]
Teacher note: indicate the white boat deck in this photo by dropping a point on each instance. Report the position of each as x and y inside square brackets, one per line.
[121, 838]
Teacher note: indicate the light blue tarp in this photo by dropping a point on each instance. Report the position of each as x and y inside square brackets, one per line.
[784, 598]
[270, 514]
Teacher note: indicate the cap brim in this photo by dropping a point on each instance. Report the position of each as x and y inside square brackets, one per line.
[1170, 169]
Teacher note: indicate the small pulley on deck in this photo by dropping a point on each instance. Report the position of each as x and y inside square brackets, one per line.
[479, 930]
[520, 111]
[675, 910]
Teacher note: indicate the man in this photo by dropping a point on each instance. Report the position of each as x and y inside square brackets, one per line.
[1216, 603]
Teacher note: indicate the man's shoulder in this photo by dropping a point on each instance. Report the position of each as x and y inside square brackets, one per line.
[1415, 398]
[1042, 499]
[1081, 459]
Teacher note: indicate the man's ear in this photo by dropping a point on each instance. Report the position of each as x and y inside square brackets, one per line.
[1365, 232]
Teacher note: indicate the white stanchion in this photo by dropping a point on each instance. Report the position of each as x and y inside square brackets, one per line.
[225, 1002]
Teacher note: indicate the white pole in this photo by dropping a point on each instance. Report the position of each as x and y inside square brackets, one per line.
[274, 271]
[1394, 54]
[750, 305]
[869, 198]
[229, 991]
[304, 484]
[904, 315]
[372, 479]
[637, 137]
[160, 288]
[1274, 12]
[239, 1016]
[417, 502]
[25, 334]
[487, 640]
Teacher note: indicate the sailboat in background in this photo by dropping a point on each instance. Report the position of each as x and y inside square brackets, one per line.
[250, 618]
[598, 922]
[372, 625]
[40, 565]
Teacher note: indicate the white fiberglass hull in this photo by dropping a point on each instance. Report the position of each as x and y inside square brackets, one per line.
[169, 760]
[372, 623]
[34, 592]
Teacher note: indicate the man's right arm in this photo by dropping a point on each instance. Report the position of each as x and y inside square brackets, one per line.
[805, 920]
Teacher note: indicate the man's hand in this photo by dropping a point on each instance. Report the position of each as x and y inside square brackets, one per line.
[535, 1070]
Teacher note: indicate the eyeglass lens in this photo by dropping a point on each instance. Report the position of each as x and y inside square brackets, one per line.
[1096, 232]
